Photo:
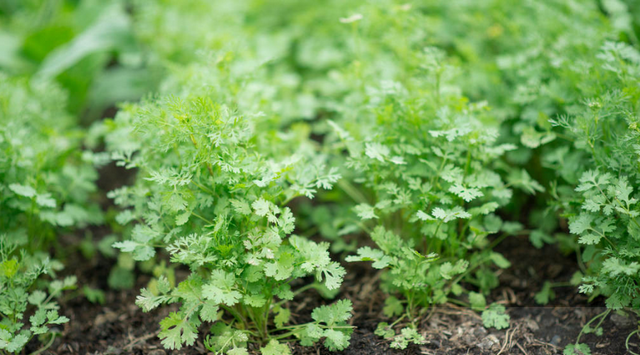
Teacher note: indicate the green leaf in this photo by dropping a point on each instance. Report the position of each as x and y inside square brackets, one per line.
[110, 31]
[336, 340]
[577, 349]
[37, 297]
[220, 288]
[241, 206]
[495, 316]
[392, 307]
[545, 294]
[261, 207]
[183, 218]
[238, 351]
[209, 311]
[477, 300]
[177, 331]
[448, 270]
[45, 200]
[377, 151]
[365, 211]
[333, 314]
[368, 254]
[499, 260]
[522, 180]
[282, 317]
[538, 238]
[407, 335]
[579, 224]
[467, 194]
[23, 190]
[255, 300]
[275, 348]
[383, 330]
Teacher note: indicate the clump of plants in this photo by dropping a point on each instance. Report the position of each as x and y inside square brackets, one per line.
[46, 184]
[24, 289]
[426, 180]
[413, 136]
[212, 187]
[602, 206]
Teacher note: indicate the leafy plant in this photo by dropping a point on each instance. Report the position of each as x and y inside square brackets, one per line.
[212, 190]
[602, 208]
[46, 184]
[21, 292]
[425, 176]
[46, 181]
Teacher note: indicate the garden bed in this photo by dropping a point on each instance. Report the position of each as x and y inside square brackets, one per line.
[120, 327]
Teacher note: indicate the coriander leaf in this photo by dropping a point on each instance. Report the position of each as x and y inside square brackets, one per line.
[495, 316]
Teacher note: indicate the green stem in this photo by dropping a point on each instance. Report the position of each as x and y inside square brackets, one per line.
[44, 348]
[351, 191]
[626, 342]
[202, 218]
[602, 315]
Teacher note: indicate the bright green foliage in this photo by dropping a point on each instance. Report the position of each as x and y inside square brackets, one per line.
[423, 169]
[20, 274]
[45, 179]
[571, 101]
[275, 348]
[603, 208]
[46, 183]
[400, 341]
[577, 349]
[445, 125]
[495, 316]
[212, 189]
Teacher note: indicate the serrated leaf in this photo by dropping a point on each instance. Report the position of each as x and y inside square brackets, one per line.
[282, 317]
[392, 307]
[220, 288]
[177, 332]
[365, 211]
[275, 348]
[209, 311]
[477, 300]
[22, 190]
[466, 193]
[495, 316]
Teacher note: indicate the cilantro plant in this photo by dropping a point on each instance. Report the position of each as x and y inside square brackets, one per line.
[212, 190]
[424, 172]
[46, 181]
[23, 290]
[46, 184]
[430, 188]
[602, 207]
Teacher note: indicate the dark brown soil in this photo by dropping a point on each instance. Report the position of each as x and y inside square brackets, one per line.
[120, 327]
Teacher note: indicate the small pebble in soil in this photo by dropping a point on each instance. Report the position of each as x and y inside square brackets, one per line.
[622, 321]
[555, 340]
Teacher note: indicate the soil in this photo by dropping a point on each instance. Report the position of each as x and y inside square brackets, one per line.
[120, 327]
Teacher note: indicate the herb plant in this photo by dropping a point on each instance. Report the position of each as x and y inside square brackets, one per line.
[45, 187]
[429, 176]
[602, 207]
[413, 136]
[46, 181]
[424, 173]
[21, 277]
[212, 189]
